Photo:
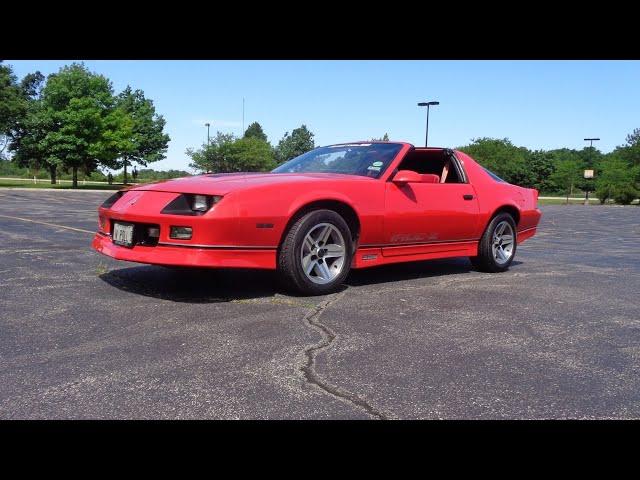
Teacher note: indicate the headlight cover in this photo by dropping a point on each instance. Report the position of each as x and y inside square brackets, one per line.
[191, 204]
[200, 203]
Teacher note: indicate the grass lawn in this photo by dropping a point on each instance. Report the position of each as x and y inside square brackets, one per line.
[64, 186]
[572, 201]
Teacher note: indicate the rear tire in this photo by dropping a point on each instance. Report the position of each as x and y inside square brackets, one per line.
[497, 246]
[316, 253]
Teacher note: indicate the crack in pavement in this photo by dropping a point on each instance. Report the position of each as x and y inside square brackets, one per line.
[312, 377]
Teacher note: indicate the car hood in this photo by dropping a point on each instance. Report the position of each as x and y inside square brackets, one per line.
[222, 184]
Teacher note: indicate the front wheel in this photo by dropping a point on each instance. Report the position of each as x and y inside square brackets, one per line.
[497, 246]
[315, 256]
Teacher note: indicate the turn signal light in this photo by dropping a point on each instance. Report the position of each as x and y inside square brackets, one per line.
[180, 233]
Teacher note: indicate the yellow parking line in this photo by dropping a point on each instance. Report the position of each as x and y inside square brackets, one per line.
[48, 224]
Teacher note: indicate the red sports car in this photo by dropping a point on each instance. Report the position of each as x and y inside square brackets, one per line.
[318, 215]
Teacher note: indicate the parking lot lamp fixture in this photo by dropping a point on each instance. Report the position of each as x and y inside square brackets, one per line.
[427, 104]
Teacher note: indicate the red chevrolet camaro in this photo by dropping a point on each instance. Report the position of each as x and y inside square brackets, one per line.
[318, 215]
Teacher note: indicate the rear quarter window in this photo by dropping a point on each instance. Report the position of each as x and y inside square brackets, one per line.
[493, 175]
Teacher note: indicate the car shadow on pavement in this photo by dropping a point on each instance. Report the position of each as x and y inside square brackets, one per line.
[411, 271]
[203, 285]
[408, 271]
[194, 285]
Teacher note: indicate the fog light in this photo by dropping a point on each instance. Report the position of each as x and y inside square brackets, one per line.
[200, 203]
[181, 233]
[153, 232]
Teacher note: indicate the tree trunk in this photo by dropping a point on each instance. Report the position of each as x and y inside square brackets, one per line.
[75, 177]
[125, 172]
[52, 171]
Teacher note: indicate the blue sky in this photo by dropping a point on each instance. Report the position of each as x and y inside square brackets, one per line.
[537, 104]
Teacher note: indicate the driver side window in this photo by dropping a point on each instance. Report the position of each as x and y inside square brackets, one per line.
[435, 162]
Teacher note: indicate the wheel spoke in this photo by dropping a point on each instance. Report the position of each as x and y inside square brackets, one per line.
[308, 243]
[507, 239]
[500, 229]
[324, 235]
[502, 254]
[323, 271]
[308, 264]
[334, 250]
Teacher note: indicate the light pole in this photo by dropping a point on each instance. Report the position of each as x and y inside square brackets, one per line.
[207, 125]
[427, 104]
[590, 140]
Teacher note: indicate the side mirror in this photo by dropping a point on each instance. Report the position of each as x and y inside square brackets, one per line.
[406, 176]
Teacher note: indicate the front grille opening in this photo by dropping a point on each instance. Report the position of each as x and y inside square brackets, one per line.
[141, 233]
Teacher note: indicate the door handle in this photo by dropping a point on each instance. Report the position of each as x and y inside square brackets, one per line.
[468, 197]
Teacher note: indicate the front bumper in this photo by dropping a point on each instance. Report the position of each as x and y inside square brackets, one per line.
[188, 256]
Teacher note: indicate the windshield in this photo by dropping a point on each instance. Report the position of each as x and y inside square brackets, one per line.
[365, 159]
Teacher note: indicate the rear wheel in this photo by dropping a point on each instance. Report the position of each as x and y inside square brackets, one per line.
[497, 246]
[315, 256]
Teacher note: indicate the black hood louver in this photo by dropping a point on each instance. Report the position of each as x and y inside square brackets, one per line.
[108, 203]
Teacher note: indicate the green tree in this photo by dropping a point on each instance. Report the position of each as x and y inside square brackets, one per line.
[630, 151]
[212, 157]
[28, 134]
[77, 106]
[251, 155]
[31, 85]
[625, 194]
[567, 173]
[226, 153]
[501, 157]
[255, 130]
[617, 180]
[590, 156]
[12, 105]
[558, 156]
[140, 138]
[540, 167]
[385, 138]
[27, 143]
[290, 146]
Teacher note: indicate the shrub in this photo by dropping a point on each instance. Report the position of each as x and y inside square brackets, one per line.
[603, 193]
[624, 194]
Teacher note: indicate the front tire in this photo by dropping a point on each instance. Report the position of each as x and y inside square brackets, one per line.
[316, 253]
[497, 246]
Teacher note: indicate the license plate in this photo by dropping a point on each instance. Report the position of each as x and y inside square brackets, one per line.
[123, 234]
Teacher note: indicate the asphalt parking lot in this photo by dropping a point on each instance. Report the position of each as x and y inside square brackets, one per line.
[85, 336]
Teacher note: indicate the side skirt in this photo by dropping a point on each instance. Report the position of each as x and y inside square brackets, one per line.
[374, 256]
